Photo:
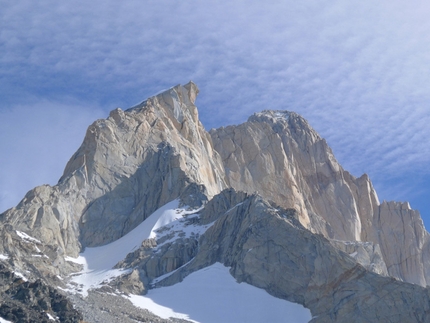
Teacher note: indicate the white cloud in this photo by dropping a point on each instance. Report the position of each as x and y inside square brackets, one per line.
[357, 70]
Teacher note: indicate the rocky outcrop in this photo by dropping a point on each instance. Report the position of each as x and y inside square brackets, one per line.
[48, 215]
[107, 307]
[159, 256]
[404, 242]
[33, 258]
[366, 254]
[266, 246]
[27, 302]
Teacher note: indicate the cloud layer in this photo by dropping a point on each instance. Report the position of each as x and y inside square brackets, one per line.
[359, 71]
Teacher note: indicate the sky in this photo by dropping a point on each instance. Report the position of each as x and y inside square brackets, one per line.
[358, 71]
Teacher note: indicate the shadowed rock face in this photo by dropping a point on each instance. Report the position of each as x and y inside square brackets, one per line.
[31, 302]
[266, 246]
[281, 212]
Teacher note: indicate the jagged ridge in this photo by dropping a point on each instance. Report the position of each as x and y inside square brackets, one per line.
[137, 160]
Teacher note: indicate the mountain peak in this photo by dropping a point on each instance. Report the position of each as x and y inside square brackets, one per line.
[190, 87]
[180, 94]
[274, 114]
[266, 198]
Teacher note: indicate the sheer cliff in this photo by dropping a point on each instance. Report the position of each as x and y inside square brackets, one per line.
[278, 155]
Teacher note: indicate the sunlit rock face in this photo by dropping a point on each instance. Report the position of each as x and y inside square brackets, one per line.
[137, 160]
[278, 155]
[266, 198]
[404, 242]
[127, 166]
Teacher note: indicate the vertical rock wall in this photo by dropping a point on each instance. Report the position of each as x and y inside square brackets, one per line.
[279, 156]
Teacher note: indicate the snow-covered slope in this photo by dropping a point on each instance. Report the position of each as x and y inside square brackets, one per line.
[208, 295]
[212, 295]
[98, 262]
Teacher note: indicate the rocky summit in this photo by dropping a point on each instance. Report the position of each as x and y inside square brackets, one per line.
[151, 202]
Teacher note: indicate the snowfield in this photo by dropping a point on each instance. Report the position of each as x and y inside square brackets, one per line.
[208, 295]
[99, 261]
[213, 295]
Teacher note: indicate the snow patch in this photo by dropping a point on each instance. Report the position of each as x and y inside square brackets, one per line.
[26, 237]
[166, 218]
[2, 320]
[51, 317]
[282, 115]
[99, 261]
[3, 257]
[277, 115]
[86, 280]
[79, 260]
[18, 274]
[181, 226]
[213, 295]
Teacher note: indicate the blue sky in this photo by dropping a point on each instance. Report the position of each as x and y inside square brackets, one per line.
[359, 71]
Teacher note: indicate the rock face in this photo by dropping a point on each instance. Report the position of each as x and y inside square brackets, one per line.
[128, 166]
[409, 261]
[30, 302]
[266, 198]
[278, 155]
[266, 246]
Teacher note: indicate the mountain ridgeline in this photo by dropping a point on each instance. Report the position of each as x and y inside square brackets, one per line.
[273, 204]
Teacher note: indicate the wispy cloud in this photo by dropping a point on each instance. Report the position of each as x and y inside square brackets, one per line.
[359, 71]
